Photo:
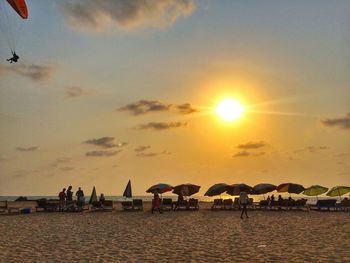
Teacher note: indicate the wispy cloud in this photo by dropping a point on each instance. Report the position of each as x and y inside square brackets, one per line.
[67, 168]
[341, 122]
[32, 72]
[27, 149]
[145, 106]
[102, 153]
[92, 15]
[142, 148]
[152, 154]
[186, 108]
[247, 154]
[75, 92]
[251, 145]
[106, 142]
[160, 126]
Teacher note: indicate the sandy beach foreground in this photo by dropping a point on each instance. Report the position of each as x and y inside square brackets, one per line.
[200, 236]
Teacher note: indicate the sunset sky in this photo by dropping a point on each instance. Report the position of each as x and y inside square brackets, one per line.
[107, 91]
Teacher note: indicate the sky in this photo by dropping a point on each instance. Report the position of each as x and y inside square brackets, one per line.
[107, 91]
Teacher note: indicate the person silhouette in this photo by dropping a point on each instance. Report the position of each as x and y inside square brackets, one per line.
[14, 58]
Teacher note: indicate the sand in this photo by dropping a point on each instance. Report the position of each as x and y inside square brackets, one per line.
[200, 236]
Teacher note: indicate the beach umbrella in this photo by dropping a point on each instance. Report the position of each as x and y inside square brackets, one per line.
[127, 192]
[260, 189]
[236, 189]
[290, 188]
[216, 189]
[186, 189]
[315, 190]
[160, 188]
[338, 191]
[93, 196]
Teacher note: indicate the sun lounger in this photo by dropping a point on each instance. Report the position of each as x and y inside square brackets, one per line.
[182, 205]
[236, 205]
[228, 204]
[167, 204]
[326, 204]
[300, 204]
[47, 205]
[217, 205]
[107, 205]
[344, 205]
[127, 205]
[16, 207]
[137, 205]
[193, 204]
[3, 206]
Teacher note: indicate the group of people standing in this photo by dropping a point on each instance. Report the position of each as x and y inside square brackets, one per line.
[66, 199]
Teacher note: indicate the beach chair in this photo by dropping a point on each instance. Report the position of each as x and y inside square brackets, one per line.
[167, 204]
[217, 205]
[107, 205]
[16, 207]
[300, 204]
[182, 205]
[3, 207]
[192, 204]
[236, 205]
[127, 206]
[263, 204]
[137, 205]
[228, 204]
[344, 205]
[326, 204]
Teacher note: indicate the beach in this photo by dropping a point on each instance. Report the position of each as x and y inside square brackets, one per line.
[182, 236]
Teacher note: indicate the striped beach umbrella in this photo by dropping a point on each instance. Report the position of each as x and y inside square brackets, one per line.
[186, 189]
[236, 189]
[160, 188]
[290, 188]
[260, 189]
[315, 190]
[216, 189]
[338, 191]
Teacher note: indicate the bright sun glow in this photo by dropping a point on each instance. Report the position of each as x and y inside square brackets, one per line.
[229, 109]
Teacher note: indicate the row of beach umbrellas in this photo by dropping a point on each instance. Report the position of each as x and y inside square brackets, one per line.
[236, 189]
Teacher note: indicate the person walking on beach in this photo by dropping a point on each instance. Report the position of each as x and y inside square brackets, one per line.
[62, 197]
[180, 199]
[243, 201]
[69, 199]
[156, 202]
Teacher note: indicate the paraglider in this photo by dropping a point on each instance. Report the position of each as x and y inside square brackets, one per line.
[14, 58]
[10, 23]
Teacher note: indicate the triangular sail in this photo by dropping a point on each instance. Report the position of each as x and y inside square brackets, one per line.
[127, 192]
[93, 197]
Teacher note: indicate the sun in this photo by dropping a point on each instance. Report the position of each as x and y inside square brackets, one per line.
[229, 109]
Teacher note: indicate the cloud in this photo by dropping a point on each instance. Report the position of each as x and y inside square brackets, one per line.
[145, 106]
[32, 72]
[150, 154]
[251, 145]
[67, 168]
[160, 126]
[106, 142]
[102, 153]
[142, 148]
[247, 154]
[27, 149]
[94, 15]
[186, 108]
[341, 122]
[75, 92]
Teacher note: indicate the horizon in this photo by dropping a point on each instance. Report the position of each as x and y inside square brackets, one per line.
[185, 91]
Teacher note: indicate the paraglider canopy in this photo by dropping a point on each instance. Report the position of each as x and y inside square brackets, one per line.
[20, 7]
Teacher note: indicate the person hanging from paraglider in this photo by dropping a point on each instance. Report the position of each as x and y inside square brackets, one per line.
[14, 58]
